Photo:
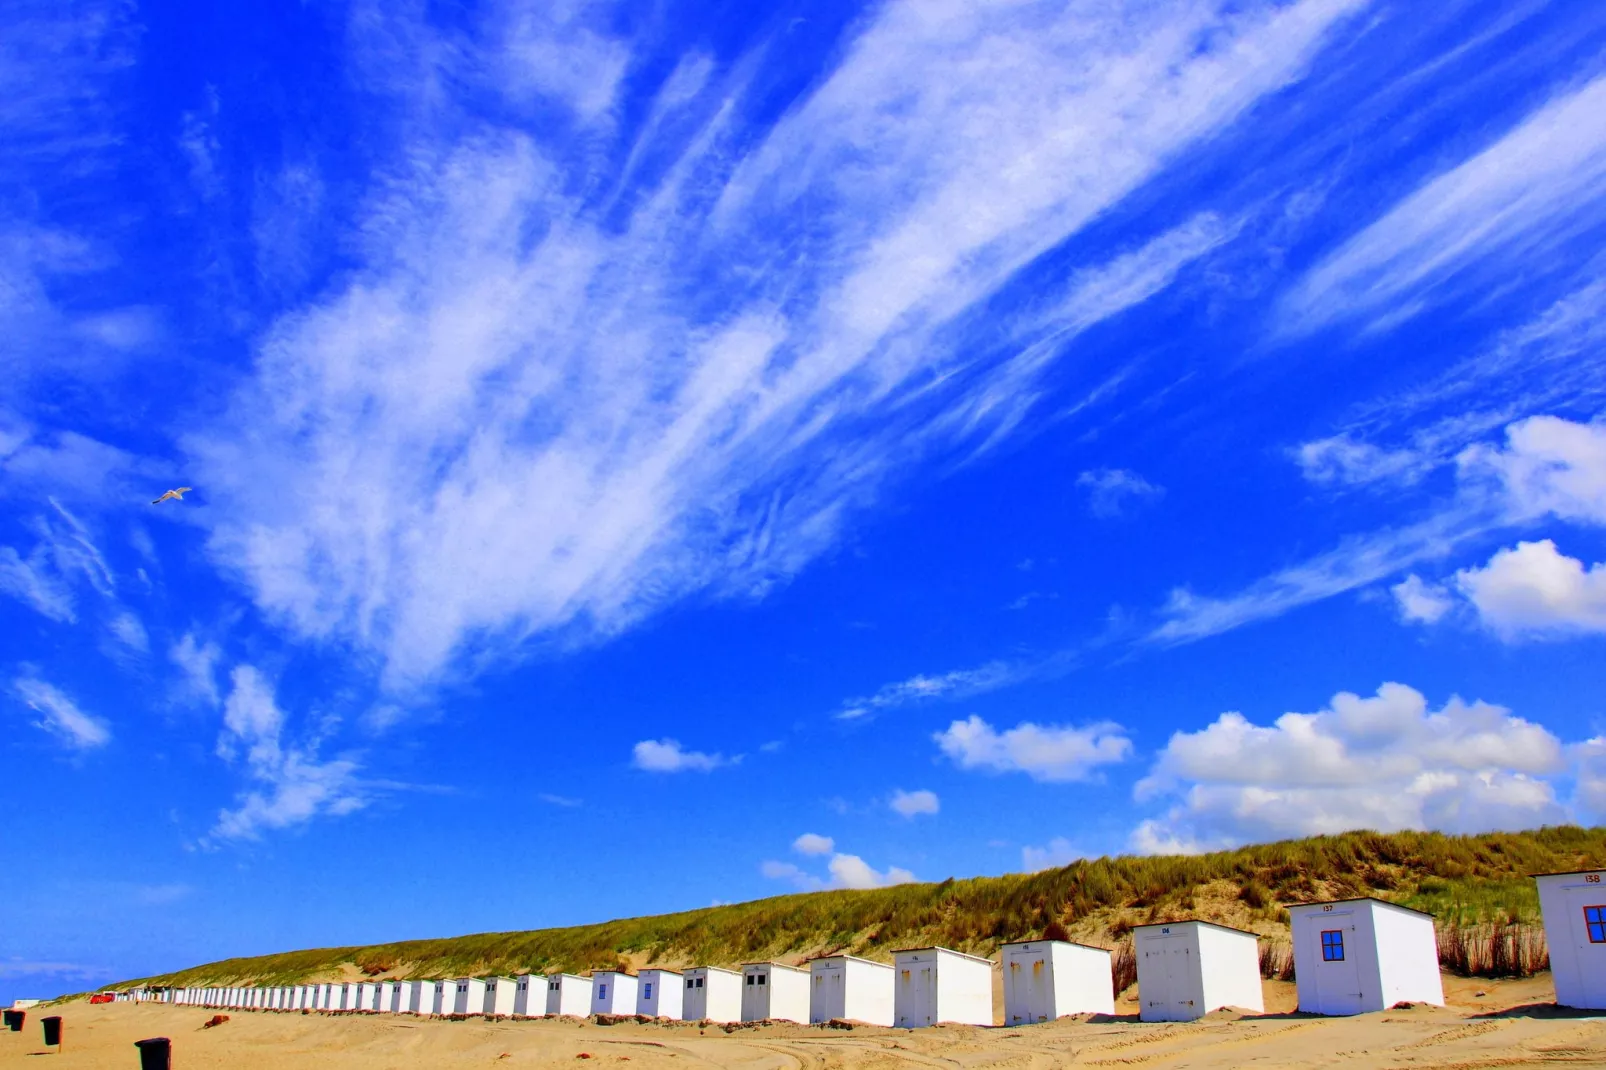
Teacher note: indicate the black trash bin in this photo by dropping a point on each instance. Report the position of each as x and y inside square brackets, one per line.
[14, 1020]
[155, 1053]
[52, 1031]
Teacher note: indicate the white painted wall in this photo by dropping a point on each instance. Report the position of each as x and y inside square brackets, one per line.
[469, 997]
[712, 994]
[500, 993]
[444, 997]
[613, 992]
[1381, 954]
[1187, 969]
[1049, 979]
[568, 994]
[774, 990]
[936, 984]
[1577, 963]
[848, 987]
[660, 993]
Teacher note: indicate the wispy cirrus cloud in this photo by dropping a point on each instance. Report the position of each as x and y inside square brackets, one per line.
[291, 785]
[61, 716]
[1538, 185]
[525, 420]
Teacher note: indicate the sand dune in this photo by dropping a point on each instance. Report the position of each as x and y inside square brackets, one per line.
[1510, 1024]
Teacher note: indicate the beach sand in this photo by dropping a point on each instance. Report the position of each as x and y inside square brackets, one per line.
[1512, 1024]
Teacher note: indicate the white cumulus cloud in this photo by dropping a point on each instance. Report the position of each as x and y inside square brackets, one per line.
[912, 803]
[851, 871]
[1534, 590]
[1383, 762]
[1044, 752]
[1421, 601]
[668, 756]
[1058, 852]
[811, 843]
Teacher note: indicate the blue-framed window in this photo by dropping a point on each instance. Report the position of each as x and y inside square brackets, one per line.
[648, 993]
[1595, 919]
[1333, 945]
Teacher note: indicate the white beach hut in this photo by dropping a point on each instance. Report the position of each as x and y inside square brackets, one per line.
[659, 994]
[328, 996]
[386, 1002]
[1358, 955]
[470, 998]
[711, 994]
[568, 994]
[443, 998]
[1574, 908]
[529, 996]
[850, 988]
[500, 993]
[613, 992]
[1049, 979]
[937, 984]
[773, 990]
[1186, 969]
[368, 996]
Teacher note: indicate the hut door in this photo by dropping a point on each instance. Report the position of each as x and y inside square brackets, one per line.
[1586, 922]
[1338, 973]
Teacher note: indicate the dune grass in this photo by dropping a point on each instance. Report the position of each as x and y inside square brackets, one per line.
[1467, 881]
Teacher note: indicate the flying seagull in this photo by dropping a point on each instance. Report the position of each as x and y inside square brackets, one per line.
[177, 494]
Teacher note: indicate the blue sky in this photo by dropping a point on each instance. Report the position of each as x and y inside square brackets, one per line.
[647, 455]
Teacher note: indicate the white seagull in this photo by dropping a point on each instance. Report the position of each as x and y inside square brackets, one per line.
[177, 494]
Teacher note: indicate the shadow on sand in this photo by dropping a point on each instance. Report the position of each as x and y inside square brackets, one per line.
[1540, 1010]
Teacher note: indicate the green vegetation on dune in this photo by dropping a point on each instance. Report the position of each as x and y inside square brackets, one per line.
[1466, 880]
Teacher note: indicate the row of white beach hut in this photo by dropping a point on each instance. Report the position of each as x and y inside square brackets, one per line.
[1350, 956]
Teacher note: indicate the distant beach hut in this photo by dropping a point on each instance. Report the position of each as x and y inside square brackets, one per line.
[774, 990]
[1574, 908]
[568, 994]
[1049, 979]
[416, 996]
[938, 984]
[500, 995]
[659, 994]
[387, 997]
[1186, 969]
[348, 996]
[470, 996]
[848, 987]
[1357, 955]
[613, 992]
[368, 996]
[529, 996]
[712, 994]
[444, 998]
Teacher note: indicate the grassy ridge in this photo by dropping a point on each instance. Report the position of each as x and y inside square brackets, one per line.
[1465, 880]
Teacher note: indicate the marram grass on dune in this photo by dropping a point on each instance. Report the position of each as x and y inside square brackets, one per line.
[1471, 883]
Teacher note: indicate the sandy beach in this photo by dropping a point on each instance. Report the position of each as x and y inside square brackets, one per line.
[1510, 1024]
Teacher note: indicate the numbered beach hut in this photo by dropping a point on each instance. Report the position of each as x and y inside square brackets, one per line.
[1574, 907]
[937, 984]
[848, 987]
[712, 994]
[1049, 979]
[1186, 969]
[774, 990]
[660, 994]
[500, 995]
[470, 996]
[613, 992]
[568, 994]
[1357, 955]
